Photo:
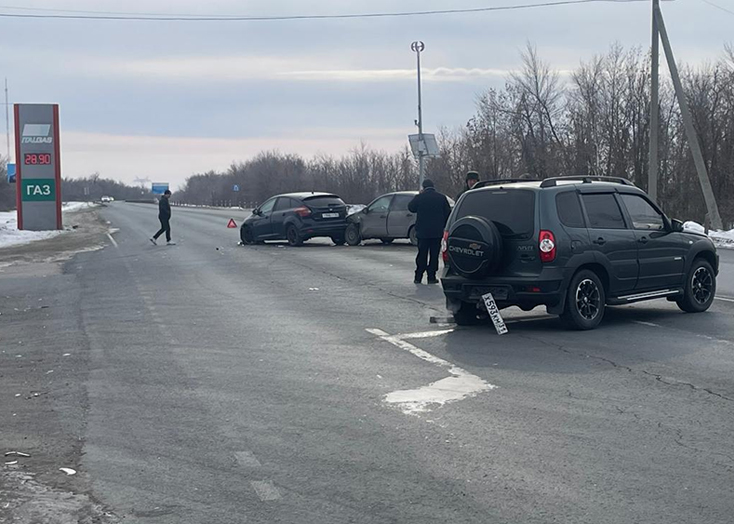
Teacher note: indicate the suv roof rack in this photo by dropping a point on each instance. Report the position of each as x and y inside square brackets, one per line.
[499, 181]
[585, 179]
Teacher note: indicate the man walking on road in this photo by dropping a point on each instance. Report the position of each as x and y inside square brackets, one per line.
[472, 178]
[164, 215]
[433, 211]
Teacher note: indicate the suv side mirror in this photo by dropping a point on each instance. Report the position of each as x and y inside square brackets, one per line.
[257, 212]
[676, 226]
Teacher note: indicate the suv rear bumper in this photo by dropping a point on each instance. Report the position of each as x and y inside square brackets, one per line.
[527, 292]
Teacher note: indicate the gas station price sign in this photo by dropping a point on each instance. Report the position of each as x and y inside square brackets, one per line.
[37, 159]
[38, 173]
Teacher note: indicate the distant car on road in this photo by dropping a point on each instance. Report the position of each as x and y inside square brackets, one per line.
[296, 217]
[387, 218]
[574, 245]
[106, 199]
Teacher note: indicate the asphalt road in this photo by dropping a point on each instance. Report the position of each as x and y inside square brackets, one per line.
[264, 384]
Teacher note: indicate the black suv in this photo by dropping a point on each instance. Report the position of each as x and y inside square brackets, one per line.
[296, 217]
[574, 245]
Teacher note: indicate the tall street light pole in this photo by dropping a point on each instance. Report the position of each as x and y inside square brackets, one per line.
[418, 47]
[652, 174]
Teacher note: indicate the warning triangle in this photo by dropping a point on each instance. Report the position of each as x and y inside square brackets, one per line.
[231, 224]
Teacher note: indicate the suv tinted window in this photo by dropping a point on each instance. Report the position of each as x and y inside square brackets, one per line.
[324, 201]
[569, 209]
[603, 211]
[513, 211]
[400, 202]
[643, 215]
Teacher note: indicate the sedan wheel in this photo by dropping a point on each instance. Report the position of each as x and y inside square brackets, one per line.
[352, 235]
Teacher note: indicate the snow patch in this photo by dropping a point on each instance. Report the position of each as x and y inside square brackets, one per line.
[11, 236]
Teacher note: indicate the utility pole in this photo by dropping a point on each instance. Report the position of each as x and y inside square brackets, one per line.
[708, 192]
[7, 122]
[418, 47]
[652, 180]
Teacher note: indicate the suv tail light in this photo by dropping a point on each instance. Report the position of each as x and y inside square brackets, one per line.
[303, 211]
[547, 245]
[445, 247]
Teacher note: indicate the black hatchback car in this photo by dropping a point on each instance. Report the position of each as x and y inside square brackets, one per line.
[296, 217]
[574, 245]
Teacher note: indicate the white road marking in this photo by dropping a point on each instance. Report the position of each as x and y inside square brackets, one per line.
[265, 489]
[724, 299]
[650, 324]
[459, 386]
[114, 243]
[425, 334]
[247, 459]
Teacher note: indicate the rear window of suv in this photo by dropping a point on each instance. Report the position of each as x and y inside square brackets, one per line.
[512, 211]
[324, 201]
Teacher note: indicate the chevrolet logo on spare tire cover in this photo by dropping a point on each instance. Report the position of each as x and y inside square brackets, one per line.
[474, 246]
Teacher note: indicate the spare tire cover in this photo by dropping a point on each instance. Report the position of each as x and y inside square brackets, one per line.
[474, 246]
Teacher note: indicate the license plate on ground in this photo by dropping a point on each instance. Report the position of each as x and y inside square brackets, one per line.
[330, 215]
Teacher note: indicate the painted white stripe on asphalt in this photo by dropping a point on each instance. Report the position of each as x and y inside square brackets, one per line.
[265, 489]
[459, 386]
[425, 334]
[650, 324]
[247, 459]
[112, 240]
[725, 299]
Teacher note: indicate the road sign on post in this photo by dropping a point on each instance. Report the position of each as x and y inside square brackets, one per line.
[159, 188]
[10, 169]
[38, 168]
[235, 188]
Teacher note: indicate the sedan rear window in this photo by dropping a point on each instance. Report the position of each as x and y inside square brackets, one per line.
[513, 211]
[323, 201]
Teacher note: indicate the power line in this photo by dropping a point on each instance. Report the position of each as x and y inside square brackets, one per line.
[99, 15]
[718, 7]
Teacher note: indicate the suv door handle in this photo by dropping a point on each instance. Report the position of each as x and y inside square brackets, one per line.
[409, 215]
[642, 240]
[600, 241]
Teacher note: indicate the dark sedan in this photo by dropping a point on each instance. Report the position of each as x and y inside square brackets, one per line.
[297, 217]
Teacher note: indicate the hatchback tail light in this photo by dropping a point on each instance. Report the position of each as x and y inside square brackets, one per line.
[445, 247]
[303, 211]
[547, 245]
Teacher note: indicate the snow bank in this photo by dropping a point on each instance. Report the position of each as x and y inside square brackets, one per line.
[694, 227]
[722, 239]
[11, 236]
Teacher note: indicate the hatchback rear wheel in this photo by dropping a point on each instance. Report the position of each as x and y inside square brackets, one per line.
[585, 301]
[293, 236]
[413, 236]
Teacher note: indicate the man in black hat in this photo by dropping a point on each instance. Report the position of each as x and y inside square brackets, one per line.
[472, 178]
[433, 211]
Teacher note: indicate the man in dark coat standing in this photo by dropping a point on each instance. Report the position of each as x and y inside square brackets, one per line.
[433, 211]
[164, 216]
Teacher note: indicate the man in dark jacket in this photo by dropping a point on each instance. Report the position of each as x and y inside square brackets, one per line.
[472, 178]
[164, 215]
[433, 211]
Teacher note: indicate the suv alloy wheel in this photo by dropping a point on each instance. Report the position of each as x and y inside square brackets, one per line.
[700, 288]
[585, 301]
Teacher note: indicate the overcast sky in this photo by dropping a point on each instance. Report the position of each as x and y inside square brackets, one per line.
[164, 100]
